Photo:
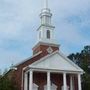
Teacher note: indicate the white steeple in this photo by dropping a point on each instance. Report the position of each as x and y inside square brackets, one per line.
[46, 40]
[46, 4]
[46, 14]
[46, 29]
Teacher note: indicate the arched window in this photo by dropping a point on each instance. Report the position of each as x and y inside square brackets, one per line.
[48, 34]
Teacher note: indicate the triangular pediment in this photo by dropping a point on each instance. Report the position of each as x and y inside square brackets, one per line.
[56, 61]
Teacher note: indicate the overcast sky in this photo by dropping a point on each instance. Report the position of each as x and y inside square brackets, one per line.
[19, 20]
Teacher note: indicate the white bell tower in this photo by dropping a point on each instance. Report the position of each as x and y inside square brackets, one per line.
[46, 40]
[46, 29]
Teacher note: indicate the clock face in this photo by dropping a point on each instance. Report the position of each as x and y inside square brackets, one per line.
[49, 50]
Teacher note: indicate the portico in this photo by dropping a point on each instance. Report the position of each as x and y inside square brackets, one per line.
[53, 69]
[65, 85]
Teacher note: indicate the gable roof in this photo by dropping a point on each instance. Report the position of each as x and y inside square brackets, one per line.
[56, 61]
[28, 59]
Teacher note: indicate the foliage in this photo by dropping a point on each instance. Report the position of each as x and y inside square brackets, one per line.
[6, 83]
[83, 60]
[86, 82]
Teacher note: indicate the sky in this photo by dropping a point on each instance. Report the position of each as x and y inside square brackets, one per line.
[19, 20]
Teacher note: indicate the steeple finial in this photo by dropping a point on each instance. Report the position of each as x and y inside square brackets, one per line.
[46, 3]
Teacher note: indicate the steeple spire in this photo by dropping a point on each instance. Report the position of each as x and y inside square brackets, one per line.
[46, 3]
[46, 14]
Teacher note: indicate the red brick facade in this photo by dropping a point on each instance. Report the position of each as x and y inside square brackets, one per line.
[43, 48]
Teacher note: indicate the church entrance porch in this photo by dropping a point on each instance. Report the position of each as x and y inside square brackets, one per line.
[48, 80]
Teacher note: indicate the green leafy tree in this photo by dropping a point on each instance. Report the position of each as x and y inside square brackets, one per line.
[86, 58]
[0, 72]
[83, 60]
[6, 83]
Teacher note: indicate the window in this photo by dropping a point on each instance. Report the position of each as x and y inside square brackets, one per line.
[28, 81]
[40, 34]
[48, 34]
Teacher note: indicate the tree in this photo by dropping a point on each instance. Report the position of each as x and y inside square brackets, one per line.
[0, 72]
[83, 60]
[6, 83]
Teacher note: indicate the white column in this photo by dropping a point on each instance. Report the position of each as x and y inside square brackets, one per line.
[79, 82]
[64, 82]
[48, 81]
[31, 80]
[71, 82]
[25, 81]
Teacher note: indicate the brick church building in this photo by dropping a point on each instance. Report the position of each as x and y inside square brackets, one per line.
[48, 68]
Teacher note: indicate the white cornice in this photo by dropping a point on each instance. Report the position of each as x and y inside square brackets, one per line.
[45, 25]
[76, 68]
